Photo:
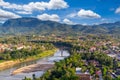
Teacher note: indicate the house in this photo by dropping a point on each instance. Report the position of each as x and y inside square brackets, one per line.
[92, 49]
[78, 70]
[112, 55]
[20, 47]
[83, 76]
[95, 63]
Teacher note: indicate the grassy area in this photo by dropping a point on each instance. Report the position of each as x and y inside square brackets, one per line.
[47, 53]
[41, 55]
[2, 61]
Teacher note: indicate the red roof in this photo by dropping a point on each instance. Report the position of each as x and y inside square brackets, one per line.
[84, 76]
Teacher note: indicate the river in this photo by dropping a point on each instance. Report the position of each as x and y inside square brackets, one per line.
[6, 74]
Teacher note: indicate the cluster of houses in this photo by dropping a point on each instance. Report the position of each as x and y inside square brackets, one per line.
[112, 50]
[10, 47]
[86, 75]
[81, 75]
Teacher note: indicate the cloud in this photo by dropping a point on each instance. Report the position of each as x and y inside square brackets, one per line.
[72, 15]
[53, 17]
[6, 14]
[84, 14]
[23, 12]
[84, 24]
[57, 4]
[52, 4]
[117, 10]
[88, 14]
[67, 21]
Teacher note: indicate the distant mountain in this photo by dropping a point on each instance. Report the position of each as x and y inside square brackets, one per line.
[111, 28]
[22, 22]
[36, 26]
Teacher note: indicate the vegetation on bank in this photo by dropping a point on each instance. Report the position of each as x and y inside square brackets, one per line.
[35, 51]
[4, 64]
[23, 54]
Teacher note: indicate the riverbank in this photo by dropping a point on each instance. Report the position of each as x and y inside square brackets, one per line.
[8, 64]
[33, 68]
[43, 65]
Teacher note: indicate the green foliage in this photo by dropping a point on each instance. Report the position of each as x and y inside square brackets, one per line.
[64, 70]
[104, 71]
[36, 50]
[118, 78]
[107, 77]
[27, 78]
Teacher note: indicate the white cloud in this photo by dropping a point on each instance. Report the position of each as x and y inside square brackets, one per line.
[52, 17]
[72, 15]
[6, 14]
[88, 14]
[23, 12]
[57, 4]
[67, 21]
[52, 4]
[117, 10]
[84, 14]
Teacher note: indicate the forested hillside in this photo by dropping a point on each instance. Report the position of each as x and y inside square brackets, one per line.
[36, 26]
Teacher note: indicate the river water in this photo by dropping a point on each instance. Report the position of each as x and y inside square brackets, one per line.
[6, 74]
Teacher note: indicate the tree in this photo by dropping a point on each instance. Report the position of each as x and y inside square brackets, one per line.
[27, 78]
[104, 71]
[107, 77]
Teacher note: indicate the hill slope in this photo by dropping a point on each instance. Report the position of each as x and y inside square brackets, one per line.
[36, 26]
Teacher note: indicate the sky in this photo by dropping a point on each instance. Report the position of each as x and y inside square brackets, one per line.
[85, 12]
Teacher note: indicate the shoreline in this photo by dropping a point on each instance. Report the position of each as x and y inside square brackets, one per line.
[8, 64]
[33, 68]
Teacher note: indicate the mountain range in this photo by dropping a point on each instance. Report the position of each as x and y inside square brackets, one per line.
[36, 26]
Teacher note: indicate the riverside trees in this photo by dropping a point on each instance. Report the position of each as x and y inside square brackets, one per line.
[33, 50]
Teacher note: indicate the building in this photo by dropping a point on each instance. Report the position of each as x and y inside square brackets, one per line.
[83, 76]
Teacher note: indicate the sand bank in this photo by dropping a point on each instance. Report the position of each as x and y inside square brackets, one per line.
[33, 68]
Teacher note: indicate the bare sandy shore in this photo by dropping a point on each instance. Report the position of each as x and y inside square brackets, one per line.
[33, 68]
[8, 64]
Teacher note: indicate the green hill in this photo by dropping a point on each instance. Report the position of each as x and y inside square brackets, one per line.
[36, 26]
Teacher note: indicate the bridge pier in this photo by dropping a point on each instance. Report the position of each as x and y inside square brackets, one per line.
[61, 53]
